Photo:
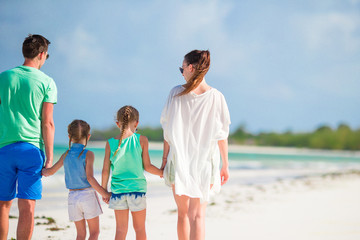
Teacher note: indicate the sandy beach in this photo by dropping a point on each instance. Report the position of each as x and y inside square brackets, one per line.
[312, 208]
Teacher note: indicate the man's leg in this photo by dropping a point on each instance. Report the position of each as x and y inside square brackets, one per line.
[8, 177]
[4, 218]
[26, 218]
[29, 165]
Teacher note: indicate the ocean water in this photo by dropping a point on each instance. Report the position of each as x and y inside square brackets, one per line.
[254, 168]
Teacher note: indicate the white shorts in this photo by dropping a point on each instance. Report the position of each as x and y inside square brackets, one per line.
[133, 201]
[83, 204]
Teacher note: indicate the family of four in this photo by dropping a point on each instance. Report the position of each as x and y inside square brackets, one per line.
[195, 122]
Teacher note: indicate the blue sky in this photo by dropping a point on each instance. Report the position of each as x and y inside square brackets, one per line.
[282, 65]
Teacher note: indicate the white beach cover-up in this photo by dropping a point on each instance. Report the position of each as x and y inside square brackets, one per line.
[192, 126]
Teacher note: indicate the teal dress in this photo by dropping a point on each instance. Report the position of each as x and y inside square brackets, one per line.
[127, 166]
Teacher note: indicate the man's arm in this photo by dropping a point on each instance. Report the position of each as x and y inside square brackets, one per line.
[48, 132]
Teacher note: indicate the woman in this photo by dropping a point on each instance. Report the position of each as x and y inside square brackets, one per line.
[195, 122]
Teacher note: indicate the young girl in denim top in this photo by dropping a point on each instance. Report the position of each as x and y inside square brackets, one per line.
[127, 155]
[83, 202]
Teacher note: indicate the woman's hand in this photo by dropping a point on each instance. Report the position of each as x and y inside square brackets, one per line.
[163, 164]
[224, 175]
[165, 154]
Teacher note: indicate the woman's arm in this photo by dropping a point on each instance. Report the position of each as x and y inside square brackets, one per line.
[165, 154]
[50, 171]
[146, 158]
[224, 173]
[90, 175]
[106, 170]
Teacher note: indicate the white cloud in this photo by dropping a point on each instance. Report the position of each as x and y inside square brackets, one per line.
[86, 63]
[339, 82]
[195, 18]
[332, 30]
[80, 48]
[277, 91]
[204, 26]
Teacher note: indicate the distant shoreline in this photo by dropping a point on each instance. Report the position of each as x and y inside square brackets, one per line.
[258, 149]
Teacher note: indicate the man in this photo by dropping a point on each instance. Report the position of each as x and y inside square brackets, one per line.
[27, 97]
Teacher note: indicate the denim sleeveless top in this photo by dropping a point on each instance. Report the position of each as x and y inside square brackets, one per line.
[127, 166]
[74, 167]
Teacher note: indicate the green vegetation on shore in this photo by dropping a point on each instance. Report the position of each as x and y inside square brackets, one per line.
[324, 137]
[153, 134]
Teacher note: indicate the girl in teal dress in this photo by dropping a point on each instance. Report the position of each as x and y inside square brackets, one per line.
[127, 155]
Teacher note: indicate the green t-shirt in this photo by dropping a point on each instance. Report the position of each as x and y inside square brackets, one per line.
[22, 93]
[127, 166]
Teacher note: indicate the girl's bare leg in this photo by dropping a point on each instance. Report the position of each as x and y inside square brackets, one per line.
[94, 228]
[139, 224]
[80, 229]
[122, 219]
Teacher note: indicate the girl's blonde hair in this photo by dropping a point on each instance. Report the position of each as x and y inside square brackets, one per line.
[78, 129]
[125, 115]
[200, 60]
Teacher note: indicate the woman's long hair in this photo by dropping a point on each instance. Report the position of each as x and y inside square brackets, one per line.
[200, 60]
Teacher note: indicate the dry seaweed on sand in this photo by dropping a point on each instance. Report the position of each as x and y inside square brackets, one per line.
[50, 220]
[55, 229]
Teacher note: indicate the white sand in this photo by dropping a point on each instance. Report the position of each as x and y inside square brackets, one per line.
[313, 208]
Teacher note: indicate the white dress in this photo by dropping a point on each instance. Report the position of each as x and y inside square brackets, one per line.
[192, 126]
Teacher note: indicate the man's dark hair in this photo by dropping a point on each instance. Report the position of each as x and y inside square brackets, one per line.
[33, 45]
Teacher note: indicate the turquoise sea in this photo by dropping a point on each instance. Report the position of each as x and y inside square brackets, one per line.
[260, 167]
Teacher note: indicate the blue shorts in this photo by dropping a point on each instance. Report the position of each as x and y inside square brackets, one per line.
[20, 164]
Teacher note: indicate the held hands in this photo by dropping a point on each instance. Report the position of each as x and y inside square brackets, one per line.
[163, 164]
[106, 197]
[46, 172]
[224, 175]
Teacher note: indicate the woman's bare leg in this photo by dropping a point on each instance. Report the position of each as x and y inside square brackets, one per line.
[197, 219]
[183, 226]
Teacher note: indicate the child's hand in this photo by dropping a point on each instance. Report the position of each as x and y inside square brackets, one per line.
[162, 173]
[45, 172]
[106, 197]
